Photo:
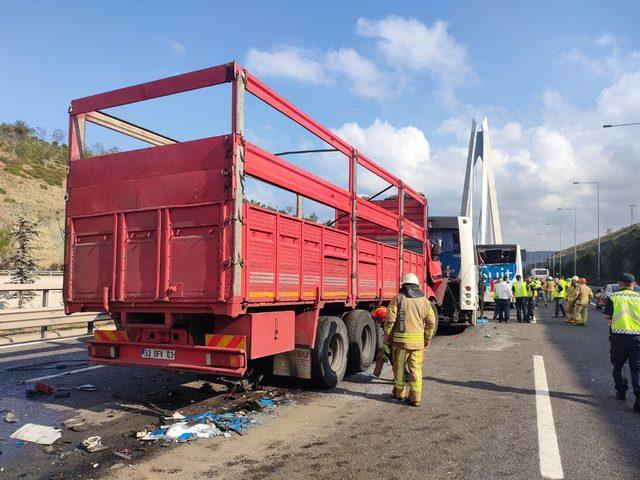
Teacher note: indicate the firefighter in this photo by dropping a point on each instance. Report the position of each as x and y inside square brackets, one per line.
[622, 311]
[520, 292]
[548, 289]
[379, 315]
[581, 305]
[408, 329]
[559, 294]
[572, 295]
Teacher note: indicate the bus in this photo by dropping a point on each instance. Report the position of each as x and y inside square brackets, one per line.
[540, 273]
[458, 259]
[495, 261]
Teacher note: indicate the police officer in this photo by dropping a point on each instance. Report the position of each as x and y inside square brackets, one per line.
[622, 311]
[559, 294]
[531, 295]
[520, 292]
[409, 328]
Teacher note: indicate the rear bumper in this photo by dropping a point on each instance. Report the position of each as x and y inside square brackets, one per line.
[201, 359]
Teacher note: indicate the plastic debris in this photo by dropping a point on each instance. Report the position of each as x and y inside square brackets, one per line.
[93, 444]
[266, 402]
[175, 416]
[10, 417]
[87, 387]
[41, 387]
[482, 321]
[34, 433]
[124, 455]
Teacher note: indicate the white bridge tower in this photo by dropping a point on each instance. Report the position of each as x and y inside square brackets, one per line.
[490, 230]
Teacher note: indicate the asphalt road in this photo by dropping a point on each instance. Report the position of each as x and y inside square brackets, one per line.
[481, 416]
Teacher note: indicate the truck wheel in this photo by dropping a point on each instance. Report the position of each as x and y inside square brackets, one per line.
[435, 311]
[362, 334]
[329, 357]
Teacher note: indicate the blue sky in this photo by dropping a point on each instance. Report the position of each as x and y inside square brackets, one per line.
[400, 80]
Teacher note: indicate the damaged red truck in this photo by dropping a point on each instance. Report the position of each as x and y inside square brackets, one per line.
[198, 279]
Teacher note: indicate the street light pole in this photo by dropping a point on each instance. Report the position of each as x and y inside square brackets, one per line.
[597, 184]
[631, 207]
[620, 125]
[560, 249]
[575, 236]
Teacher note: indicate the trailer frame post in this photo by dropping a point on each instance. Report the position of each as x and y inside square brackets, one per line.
[237, 125]
[353, 187]
[400, 231]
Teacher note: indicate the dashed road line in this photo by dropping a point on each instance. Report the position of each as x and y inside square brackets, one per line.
[550, 462]
[70, 372]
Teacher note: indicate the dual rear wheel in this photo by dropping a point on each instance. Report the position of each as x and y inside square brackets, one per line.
[341, 343]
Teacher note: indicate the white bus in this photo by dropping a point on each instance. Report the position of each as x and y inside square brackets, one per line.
[540, 273]
[495, 261]
[458, 259]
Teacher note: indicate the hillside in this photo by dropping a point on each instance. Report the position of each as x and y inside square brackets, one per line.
[32, 174]
[620, 252]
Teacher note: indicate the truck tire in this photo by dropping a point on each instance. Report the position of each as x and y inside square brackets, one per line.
[435, 311]
[329, 357]
[362, 334]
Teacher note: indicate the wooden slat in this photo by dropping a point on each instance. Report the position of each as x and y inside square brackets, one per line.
[127, 128]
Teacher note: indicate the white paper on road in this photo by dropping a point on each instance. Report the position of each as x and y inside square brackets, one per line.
[550, 462]
[41, 434]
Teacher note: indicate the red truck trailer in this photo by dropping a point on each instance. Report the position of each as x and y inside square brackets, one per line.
[198, 279]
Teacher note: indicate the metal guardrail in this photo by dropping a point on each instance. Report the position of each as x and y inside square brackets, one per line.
[44, 317]
[39, 273]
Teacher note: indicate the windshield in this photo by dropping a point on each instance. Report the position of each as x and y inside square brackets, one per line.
[497, 255]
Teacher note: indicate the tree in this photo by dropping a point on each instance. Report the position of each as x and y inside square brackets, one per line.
[5, 244]
[22, 261]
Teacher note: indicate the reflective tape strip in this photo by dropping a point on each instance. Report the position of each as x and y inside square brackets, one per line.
[111, 335]
[333, 294]
[261, 294]
[226, 341]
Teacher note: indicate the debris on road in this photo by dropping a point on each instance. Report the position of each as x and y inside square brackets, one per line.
[93, 444]
[123, 454]
[34, 433]
[76, 424]
[10, 417]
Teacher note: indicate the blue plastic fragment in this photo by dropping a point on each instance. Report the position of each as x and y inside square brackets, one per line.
[266, 402]
[185, 437]
[19, 443]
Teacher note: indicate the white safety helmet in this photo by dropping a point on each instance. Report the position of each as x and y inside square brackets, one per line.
[575, 278]
[549, 278]
[410, 278]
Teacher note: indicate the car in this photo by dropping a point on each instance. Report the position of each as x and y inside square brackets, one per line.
[603, 293]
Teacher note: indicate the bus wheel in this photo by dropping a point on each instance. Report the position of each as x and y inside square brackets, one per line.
[362, 334]
[329, 357]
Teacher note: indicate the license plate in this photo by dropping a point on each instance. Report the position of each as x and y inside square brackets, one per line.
[158, 354]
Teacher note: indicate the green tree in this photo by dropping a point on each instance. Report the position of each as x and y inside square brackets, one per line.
[5, 244]
[23, 265]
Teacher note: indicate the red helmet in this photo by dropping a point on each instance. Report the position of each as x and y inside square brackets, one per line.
[583, 281]
[380, 312]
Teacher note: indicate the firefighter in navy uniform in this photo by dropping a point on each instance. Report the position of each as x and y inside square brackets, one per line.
[622, 311]
[408, 329]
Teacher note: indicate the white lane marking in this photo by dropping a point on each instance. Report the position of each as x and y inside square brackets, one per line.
[550, 462]
[70, 372]
[26, 356]
[37, 342]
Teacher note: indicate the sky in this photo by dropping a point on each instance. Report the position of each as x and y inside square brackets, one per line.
[401, 81]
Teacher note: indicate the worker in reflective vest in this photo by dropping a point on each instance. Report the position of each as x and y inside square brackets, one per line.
[581, 306]
[548, 289]
[520, 292]
[572, 295]
[622, 311]
[408, 329]
[531, 295]
[559, 294]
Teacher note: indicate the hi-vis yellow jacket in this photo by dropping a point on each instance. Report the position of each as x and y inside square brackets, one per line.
[626, 312]
[419, 321]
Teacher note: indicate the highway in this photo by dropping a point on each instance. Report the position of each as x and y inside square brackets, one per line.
[486, 414]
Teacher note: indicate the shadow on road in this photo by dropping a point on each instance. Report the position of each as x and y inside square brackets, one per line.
[494, 387]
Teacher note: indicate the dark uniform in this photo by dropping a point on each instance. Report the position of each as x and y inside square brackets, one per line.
[623, 309]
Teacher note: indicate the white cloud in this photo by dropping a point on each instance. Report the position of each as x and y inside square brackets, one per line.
[604, 58]
[288, 61]
[412, 45]
[365, 79]
[362, 76]
[620, 102]
[176, 47]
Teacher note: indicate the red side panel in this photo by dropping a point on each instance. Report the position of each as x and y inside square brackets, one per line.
[368, 275]
[389, 267]
[147, 225]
